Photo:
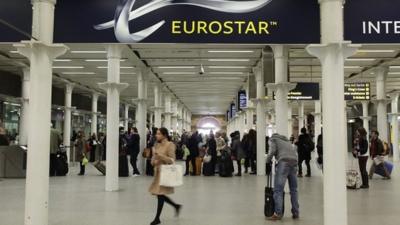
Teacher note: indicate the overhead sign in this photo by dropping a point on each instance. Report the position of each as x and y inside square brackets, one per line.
[242, 100]
[187, 21]
[233, 110]
[304, 91]
[372, 21]
[357, 91]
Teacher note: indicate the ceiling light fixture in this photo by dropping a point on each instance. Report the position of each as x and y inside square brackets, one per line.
[352, 67]
[360, 59]
[375, 51]
[176, 67]
[101, 60]
[226, 73]
[394, 67]
[78, 73]
[14, 51]
[68, 67]
[122, 67]
[229, 60]
[88, 52]
[230, 51]
[171, 73]
[124, 73]
[228, 67]
[62, 60]
[202, 71]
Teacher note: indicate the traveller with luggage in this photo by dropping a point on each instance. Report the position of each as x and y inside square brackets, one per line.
[209, 165]
[376, 152]
[81, 151]
[360, 151]
[286, 156]
[55, 141]
[164, 154]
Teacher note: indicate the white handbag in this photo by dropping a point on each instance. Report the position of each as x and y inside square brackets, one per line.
[171, 175]
[207, 158]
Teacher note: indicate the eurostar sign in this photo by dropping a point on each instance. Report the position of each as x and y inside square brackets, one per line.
[188, 21]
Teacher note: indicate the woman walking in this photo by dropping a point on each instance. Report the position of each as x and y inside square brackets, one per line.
[164, 153]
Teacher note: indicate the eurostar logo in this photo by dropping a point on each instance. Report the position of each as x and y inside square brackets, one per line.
[124, 16]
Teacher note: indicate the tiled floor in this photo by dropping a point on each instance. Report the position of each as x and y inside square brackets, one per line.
[207, 201]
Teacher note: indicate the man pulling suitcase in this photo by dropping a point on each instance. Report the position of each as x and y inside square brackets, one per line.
[285, 153]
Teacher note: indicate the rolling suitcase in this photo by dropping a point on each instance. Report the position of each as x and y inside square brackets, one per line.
[208, 169]
[225, 165]
[123, 166]
[199, 162]
[100, 167]
[62, 164]
[379, 170]
[269, 204]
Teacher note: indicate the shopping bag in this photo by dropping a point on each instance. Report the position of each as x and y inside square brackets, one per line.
[353, 177]
[85, 161]
[171, 175]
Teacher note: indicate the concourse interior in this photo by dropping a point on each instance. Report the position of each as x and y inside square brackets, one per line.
[194, 87]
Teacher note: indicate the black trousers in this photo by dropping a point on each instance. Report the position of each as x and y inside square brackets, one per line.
[362, 162]
[161, 199]
[93, 153]
[193, 161]
[53, 164]
[301, 166]
[239, 165]
[133, 161]
[82, 168]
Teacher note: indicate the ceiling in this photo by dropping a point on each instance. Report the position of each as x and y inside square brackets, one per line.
[178, 67]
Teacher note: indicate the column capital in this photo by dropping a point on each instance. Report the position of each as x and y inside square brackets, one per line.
[315, 114]
[156, 108]
[30, 48]
[113, 85]
[69, 87]
[168, 113]
[54, 2]
[365, 117]
[287, 86]
[394, 95]
[72, 108]
[114, 51]
[321, 51]
[377, 101]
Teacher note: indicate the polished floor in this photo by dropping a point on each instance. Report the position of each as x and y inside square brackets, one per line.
[207, 201]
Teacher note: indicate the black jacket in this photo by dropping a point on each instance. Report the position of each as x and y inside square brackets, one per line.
[194, 145]
[4, 140]
[305, 146]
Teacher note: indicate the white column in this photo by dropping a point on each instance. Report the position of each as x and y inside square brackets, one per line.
[157, 105]
[95, 98]
[167, 113]
[67, 118]
[281, 88]
[332, 53]
[113, 88]
[317, 120]
[366, 118]
[261, 124]
[395, 126]
[301, 115]
[142, 113]
[126, 117]
[40, 54]
[290, 120]
[174, 116]
[24, 127]
[381, 73]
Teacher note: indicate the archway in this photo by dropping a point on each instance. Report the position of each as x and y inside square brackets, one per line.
[208, 124]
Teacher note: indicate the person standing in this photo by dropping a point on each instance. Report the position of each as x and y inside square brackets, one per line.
[93, 143]
[304, 147]
[252, 150]
[284, 152]
[320, 151]
[194, 152]
[237, 151]
[80, 147]
[245, 145]
[376, 152]
[212, 151]
[55, 141]
[134, 149]
[360, 150]
[164, 154]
